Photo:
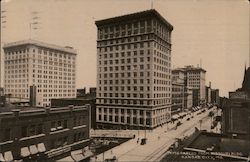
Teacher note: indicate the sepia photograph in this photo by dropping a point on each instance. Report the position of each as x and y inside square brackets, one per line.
[124, 80]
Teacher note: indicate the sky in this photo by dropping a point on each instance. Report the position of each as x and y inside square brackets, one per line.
[213, 33]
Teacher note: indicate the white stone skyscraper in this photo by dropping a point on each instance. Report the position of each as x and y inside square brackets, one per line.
[48, 69]
[133, 71]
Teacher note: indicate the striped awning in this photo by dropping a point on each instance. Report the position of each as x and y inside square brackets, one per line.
[25, 152]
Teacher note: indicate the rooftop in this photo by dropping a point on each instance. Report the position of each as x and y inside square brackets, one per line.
[28, 111]
[133, 16]
[189, 68]
[67, 49]
[212, 144]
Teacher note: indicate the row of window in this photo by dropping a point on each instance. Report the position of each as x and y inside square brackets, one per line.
[135, 102]
[40, 51]
[136, 27]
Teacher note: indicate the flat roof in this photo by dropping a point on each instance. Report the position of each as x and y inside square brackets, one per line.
[29, 111]
[67, 49]
[132, 16]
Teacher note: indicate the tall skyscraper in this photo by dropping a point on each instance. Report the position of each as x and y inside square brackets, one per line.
[48, 69]
[133, 71]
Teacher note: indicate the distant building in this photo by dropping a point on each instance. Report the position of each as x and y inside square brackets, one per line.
[1, 91]
[208, 93]
[236, 111]
[133, 71]
[81, 92]
[195, 79]
[50, 68]
[195, 97]
[43, 134]
[92, 91]
[2, 97]
[178, 90]
[215, 96]
[188, 98]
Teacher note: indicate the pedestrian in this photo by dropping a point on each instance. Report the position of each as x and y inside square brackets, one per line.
[158, 137]
[138, 140]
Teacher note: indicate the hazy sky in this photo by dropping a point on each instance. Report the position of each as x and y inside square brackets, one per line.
[214, 31]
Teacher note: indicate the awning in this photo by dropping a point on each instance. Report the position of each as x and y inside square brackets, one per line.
[1, 157]
[77, 157]
[25, 152]
[33, 149]
[181, 114]
[87, 153]
[68, 159]
[41, 147]
[175, 116]
[8, 156]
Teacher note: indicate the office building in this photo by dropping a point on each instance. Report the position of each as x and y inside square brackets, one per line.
[133, 71]
[43, 134]
[32, 65]
[88, 98]
[178, 91]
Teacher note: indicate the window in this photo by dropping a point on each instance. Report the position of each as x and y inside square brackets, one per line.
[39, 129]
[7, 136]
[24, 131]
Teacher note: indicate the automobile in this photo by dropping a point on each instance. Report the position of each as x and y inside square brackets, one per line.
[188, 119]
[178, 123]
[114, 159]
[143, 141]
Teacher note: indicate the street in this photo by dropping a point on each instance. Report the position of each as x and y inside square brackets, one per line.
[158, 140]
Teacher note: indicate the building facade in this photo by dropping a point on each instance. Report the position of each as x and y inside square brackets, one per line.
[133, 71]
[178, 91]
[208, 94]
[236, 111]
[195, 78]
[188, 98]
[80, 101]
[50, 68]
[43, 134]
[215, 96]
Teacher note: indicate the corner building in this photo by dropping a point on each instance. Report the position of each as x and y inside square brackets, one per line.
[49, 69]
[133, 71]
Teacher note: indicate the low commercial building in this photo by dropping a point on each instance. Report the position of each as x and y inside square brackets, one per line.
[236, 111]
[204, 146]
[44, 134]
[79, 101]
